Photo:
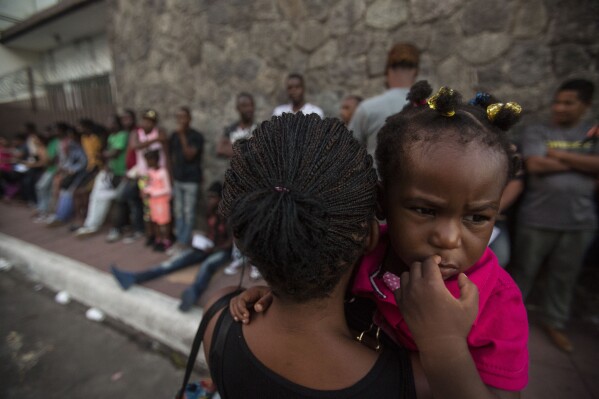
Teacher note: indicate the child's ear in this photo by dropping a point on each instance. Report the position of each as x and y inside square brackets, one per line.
[381, 213]
[373, 236]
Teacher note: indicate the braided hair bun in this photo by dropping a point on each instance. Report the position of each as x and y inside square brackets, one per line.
[299, 196]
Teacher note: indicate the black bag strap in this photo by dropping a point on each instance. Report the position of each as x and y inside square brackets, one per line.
[217, 350]
[197, 341]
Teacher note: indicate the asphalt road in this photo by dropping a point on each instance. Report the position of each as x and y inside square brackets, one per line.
[49, 350]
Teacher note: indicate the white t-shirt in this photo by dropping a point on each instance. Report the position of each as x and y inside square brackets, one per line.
[306, 109]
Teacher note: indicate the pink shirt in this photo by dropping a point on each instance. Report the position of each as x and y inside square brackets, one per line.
[499, 337]
[142, 166]
[159, 184]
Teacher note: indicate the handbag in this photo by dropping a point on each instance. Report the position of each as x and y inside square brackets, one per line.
[193, 390]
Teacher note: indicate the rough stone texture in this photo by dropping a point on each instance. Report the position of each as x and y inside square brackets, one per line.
[492, 16]
[568, 57]
[386, 14]
[201, 53]
[531, 19]
[484, 48]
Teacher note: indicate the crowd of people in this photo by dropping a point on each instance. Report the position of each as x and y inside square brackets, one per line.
[150, 183]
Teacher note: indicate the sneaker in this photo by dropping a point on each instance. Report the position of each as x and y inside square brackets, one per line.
[150, 241]
[54, 222]
[159, 247]
[83, 232]
[132, 238]
[175, 250]
[233, 268]
[254, 273]
[74, 227]
[113, 235]
[125, 279]
[41, 219]
[188, 299]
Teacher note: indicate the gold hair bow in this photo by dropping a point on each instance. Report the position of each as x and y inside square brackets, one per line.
[493, 109]
[432, 101]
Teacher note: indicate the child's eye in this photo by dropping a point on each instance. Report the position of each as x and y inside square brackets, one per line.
[424, 211]
[477, 218]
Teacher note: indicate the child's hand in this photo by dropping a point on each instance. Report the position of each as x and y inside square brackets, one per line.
[433, 315]
[260, 296]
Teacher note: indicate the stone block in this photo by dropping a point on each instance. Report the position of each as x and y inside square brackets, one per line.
[444, 40]
[571, 58]
[456, 74]
[344, 16]
[484, 48]
[528, 63]
[485, 16]
[531, 19]
[310, 35]
[387, 14]
[429, 10]
[324, 56]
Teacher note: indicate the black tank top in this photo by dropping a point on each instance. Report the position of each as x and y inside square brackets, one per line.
[239, 374]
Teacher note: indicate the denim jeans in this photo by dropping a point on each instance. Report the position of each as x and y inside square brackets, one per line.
[185, 197]
[129, 198]
[188, 257]
[207, 270]
[43, 189]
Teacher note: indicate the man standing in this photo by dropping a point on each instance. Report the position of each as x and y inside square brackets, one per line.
[186, 149]
[295, 92]
[240, 129]
[556, 220]
[400, 74]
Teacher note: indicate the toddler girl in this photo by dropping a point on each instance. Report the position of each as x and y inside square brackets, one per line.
[157, 190]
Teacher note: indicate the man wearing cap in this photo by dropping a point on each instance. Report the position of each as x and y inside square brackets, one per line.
[400, 74]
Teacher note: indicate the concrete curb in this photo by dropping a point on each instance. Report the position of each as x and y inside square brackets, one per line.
[145, 310]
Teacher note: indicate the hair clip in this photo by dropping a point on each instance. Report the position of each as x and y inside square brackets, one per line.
[432, 101]
[481, 98]
[493, 109]
[280, 189]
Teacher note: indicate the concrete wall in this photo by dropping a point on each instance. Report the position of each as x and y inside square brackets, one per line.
[201, 53]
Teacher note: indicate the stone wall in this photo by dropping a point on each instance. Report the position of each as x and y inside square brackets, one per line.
[201, 53]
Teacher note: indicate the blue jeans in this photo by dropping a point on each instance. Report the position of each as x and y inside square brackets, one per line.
[185, 197]
[43, 189]
[207, 270]
[184, 259]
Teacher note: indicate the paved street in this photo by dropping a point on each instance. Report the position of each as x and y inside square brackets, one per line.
[52, 351]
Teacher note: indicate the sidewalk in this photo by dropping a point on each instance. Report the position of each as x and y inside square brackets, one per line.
[61, 261]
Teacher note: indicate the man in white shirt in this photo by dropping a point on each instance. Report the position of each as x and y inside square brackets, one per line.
[400, 75]
[295, 92]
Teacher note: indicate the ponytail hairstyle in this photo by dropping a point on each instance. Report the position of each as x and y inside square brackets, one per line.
[299, 196]
[445, 118]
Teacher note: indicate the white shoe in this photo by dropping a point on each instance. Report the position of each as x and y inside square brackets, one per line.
[85, 231]
[233, 268]
[132, 238]
[113, 235]
[254, 273]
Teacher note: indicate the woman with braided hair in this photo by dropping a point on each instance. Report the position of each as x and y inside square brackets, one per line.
[443, 166]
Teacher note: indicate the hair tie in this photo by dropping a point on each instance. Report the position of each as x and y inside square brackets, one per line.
[493, 109]
[432, 101]
[280, 189]
[481, 98]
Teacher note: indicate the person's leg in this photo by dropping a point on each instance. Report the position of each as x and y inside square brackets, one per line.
[178, 200]
[205, 273]
[563, 269]
[190, 194]
[182, 260]
[43, 189]
[531, 248]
